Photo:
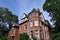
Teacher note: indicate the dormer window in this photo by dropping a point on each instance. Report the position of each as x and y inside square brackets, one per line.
[24, 18]
[36, 14]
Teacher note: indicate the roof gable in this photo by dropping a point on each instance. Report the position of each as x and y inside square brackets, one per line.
[24, 16]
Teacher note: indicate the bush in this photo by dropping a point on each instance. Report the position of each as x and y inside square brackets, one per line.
[4, 38]
[34, 38]
[23, 36]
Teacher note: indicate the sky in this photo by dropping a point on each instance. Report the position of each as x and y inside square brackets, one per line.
[18, 7]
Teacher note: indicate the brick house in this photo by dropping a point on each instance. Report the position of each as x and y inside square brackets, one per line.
[14, 32]
[34, 25]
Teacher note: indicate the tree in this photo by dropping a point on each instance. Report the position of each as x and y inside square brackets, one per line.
[23, 36]
[53, 8]
[6, 19]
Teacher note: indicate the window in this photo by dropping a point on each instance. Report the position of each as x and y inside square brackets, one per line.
[13, 31]
[36, 22]
[37, 34]
[40, 24]
[31, 34]
[36, 14]
[25, 27]
[45, 35]
[30, 24]
[36, 31]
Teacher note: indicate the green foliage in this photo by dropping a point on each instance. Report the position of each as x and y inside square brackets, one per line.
[56, 36]
[53, 8]
[34, 38]
[6, 15]
[23, 36]
[4, 38]
[6, 18]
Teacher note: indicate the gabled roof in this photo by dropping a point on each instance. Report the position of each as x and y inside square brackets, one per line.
[24, 16]
[15, 25]
[34, 10]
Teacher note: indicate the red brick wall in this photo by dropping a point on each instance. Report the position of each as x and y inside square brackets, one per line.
[31, 28]
[16, 34]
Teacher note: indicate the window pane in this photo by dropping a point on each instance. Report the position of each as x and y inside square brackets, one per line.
[45, 35]
[13, 31]
[30, 24]
[36, 22]
[36, 14]
[37, 34]
[31, 34]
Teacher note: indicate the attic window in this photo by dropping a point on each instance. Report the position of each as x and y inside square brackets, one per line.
[36, 14]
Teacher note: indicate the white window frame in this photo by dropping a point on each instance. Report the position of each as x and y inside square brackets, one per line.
[37, 34]
[36, 23]
[30, 23]
[45, 35]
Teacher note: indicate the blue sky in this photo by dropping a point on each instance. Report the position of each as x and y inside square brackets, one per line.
[18, 7]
